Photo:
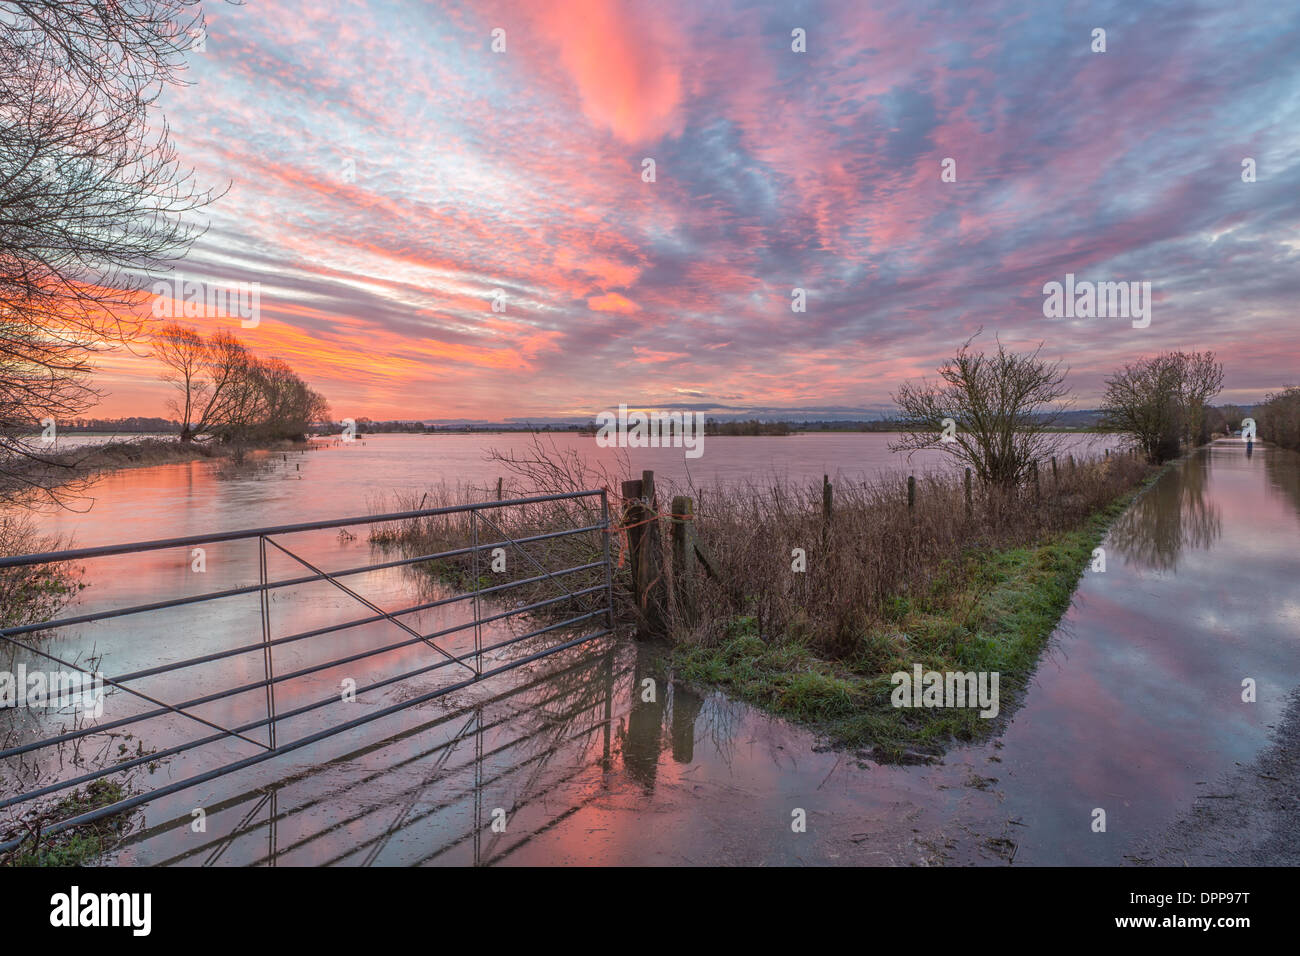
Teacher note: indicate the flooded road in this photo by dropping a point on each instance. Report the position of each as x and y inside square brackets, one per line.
[1136, 709]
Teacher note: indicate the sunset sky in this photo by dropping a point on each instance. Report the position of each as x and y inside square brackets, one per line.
[522, 171]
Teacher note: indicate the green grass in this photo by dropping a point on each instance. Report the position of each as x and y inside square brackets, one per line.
[456, 574]
[994, 611]
[78, 845]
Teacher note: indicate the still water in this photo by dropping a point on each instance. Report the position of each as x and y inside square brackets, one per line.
[1136, 708]
[345, 478]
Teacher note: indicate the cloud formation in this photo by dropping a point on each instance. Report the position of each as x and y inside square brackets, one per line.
[391, 177]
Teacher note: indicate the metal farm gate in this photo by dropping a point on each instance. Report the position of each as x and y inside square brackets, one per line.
[589, 511]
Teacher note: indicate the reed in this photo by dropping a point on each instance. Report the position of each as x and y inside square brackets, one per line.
[807, 614]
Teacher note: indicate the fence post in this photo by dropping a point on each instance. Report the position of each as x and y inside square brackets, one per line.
[970, 507]
[1053, 468]
[683, 531]
[632, 518]
[478, 612]
[650, 578]
[828, 500]
[499, 480]
[609, 568]
[911, 491]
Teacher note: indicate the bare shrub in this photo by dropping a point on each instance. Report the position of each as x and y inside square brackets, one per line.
[995, 413]
[874, 553]
[1278, 418]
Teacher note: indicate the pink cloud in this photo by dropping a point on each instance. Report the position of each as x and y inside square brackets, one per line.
[612, 302]
[622, 65]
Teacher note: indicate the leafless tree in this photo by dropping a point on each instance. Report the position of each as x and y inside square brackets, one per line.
[1278, 418]
[205, 371]
[92, 197]
[1160, 402]
[226, 393]
[995, 413]
[1202, 378]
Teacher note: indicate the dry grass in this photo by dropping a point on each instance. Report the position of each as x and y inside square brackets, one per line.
[503, 527]
[884, 585]
[875, 551]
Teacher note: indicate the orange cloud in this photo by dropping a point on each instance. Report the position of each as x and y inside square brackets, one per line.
[612, 302]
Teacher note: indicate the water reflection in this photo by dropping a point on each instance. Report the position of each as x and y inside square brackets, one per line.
[657, 721]
[1137, 709]
[525, 758]
[1281, 467]
[1173, 515]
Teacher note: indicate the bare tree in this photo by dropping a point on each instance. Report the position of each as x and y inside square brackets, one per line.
[1160, 402]
[226, 393]
[1232, 416]
[290, 406]
[995, 413]
[92, 197]
[1279, 418]
[212, 375]
[1202, 378]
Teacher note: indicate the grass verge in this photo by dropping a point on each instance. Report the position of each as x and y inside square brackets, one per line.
[78, 845]
[993, 611]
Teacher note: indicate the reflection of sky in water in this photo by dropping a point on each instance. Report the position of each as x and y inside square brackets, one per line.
[1136, 709]
[1141, 701]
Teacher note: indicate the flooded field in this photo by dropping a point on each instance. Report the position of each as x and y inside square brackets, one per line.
[1136, 707]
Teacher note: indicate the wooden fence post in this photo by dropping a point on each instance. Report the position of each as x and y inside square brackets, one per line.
[827, 506]
[683, 533]
[651, 585]
[911, 491]
[1053, 468]
[970, 506]
[632, 518]
[499, 480]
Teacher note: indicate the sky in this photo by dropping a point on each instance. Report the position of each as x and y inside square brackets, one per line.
[392, 177]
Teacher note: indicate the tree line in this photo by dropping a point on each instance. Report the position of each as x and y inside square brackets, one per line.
[225, 393]
[131, 425]
[1278, 417]
[999, 412]
[752, 427]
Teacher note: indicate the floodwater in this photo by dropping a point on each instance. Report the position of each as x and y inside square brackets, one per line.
[1136, 709]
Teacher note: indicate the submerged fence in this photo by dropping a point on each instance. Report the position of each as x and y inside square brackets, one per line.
[469, 665]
